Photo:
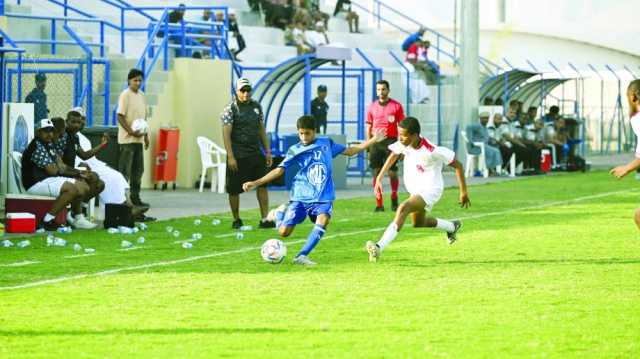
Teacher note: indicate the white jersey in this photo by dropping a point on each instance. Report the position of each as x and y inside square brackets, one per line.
[423, 166]
[635, 125]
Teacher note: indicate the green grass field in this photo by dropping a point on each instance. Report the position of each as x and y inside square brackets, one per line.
[544, 267]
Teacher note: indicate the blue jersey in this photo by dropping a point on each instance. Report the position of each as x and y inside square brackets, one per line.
[314, 180]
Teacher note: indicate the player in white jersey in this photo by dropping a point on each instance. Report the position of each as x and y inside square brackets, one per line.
[423, 164]
[633, 96]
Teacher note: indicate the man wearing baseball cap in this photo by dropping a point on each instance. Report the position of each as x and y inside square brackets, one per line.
[44, 174]
[245, 139]
[38, 98]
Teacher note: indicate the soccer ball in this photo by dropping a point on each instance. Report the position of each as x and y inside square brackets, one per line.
[274, 251]
[140, 125]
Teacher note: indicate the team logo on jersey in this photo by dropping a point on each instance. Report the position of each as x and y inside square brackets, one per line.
[391, 118]
[317, 174]
[420, 168]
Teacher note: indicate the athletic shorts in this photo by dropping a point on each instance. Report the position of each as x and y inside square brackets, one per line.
[298, 211]
[430, 197]
[378, 153]
[49, 186]
[249, 169]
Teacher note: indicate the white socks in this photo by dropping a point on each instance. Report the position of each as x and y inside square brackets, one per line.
[389, 235]
[48, 217]
[445, 225]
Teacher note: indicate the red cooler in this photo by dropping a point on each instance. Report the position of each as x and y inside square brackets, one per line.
[545, 161]
[21, 222]
[166, 166]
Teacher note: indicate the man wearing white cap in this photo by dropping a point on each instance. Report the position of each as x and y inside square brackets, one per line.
[245, 139]
[44, 174]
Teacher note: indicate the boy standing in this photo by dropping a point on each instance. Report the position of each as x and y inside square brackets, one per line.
[423, 163]
[633, 96]
[312, 192]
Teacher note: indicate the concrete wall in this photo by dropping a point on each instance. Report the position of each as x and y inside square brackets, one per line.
[193, 98]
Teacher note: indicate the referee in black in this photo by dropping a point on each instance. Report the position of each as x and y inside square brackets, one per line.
[248, 150]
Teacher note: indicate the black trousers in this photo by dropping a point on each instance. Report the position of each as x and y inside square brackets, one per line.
[131, 165]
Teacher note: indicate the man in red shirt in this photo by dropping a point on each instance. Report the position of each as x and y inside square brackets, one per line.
[383, 116]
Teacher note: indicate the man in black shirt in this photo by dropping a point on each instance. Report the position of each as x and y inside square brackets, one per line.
[38, 98]
[44, 174]
[244, 133]
[319, 109]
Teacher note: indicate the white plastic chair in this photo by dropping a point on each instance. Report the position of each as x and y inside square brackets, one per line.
[471, 158]
[209, 150]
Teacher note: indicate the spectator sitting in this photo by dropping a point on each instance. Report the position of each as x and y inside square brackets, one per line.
[522, 134]
[319, 109]
[302, 44]
[413, 57]
[552, 115]
[38, 98]
[500, 134]
[477, 132]
[278, 13]
[499, 102]
[235, 30]
[65, 146]
[532, 114]
[301, 14]
[289, 38]
[116, 187]
[424, 57]
[488, 101]
[44, 174]
[313, 6]
[352, 17]
[317, 37]
[412, 39]
[177, 16]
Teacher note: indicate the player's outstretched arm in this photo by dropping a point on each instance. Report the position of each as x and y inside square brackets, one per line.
[377, 137]
[387, 164]
[462, 184]
[624, 170]
[272, 175]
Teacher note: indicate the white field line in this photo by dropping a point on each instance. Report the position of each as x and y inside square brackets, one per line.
[129, 249]
[19, 264]
[247, 249]
[80, 255]
[186, 241]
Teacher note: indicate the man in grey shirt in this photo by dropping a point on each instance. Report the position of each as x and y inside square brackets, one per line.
[477, 132]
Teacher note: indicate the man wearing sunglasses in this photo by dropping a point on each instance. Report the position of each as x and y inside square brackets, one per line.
[248, 150]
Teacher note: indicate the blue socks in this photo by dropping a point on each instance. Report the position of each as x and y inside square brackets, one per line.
[279, 218]
[312, 240]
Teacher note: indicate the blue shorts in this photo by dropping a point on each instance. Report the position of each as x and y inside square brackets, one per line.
[298, 211]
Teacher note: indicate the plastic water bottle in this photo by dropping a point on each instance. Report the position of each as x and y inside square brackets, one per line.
[40, 230]
[77, 247]
[196, 236]
[24, 244]
[65, 230]
[216, 222]
[246, 228]
[187, 245]
[89, 250]
[239, 236]
[140, 240]
[169, 229]
[7, 243]
[50, 240]
[125, 230]
[142, 226]
[113, 230]
[59, 242]
[134, 230]
[197, 222]
[126, 244]
[176, 234]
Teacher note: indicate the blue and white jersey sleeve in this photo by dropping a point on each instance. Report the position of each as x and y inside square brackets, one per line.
[290, 158]
[336, 148]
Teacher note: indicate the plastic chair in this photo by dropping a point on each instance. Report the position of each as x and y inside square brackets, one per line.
[209, 150]
[471, 158]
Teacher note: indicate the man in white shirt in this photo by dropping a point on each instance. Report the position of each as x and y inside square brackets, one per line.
[317, 37]
[633, 97]
[423, 164]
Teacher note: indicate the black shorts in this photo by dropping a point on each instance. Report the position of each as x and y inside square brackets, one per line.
[378, 153]
[249, 169]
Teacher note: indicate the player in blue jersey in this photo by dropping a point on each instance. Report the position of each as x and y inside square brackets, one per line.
[312, 193]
